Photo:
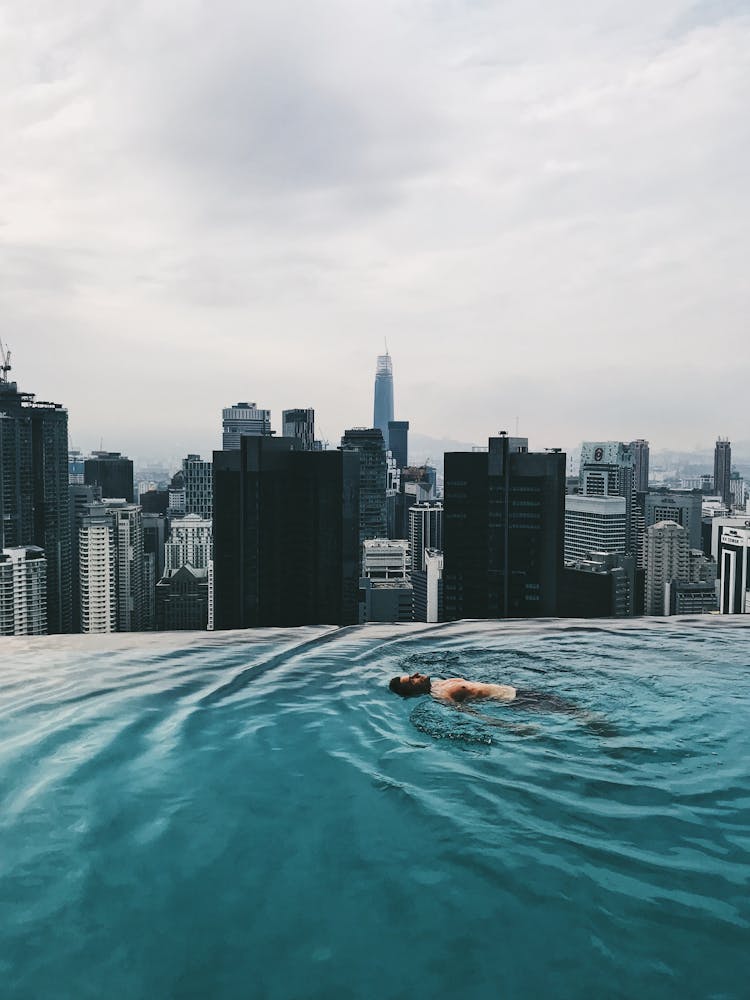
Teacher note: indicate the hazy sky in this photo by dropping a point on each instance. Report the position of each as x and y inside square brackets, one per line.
[543, 206]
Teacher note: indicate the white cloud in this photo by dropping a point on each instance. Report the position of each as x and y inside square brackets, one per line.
[201, 203]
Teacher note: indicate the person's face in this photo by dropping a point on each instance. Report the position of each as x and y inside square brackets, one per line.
[415, 681]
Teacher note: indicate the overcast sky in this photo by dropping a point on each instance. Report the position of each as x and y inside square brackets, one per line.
[543, 206]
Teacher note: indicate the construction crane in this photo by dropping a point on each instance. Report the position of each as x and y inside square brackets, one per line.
[5, 366]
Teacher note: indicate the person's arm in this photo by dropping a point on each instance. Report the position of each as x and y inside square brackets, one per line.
[520, 729]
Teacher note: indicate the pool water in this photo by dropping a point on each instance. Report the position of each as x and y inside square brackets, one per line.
[254, 814]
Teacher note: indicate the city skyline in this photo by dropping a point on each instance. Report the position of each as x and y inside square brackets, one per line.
[542, 209]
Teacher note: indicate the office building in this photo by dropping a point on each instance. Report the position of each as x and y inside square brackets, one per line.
[386, 559]
[666, 560]
[398, 441]
[373, 468]
[112, 472]
[155, 532]
[640, 451]
[723, 470]
[594, 524]
[300, 424]
[685, 507]
[683, 598]
[607, 470]
[189, 543]
[182, 599]
[383, 406]
[718, 525]
[427, 587]
[286, 534]
[425, 531]
[76, 467]
[198, 479]
[734, 567]
[599, 585]
[704, 483]
[386, 600]
[23, 591]
[503, 528]
[177, 497]
[243, 419]
[34, 508]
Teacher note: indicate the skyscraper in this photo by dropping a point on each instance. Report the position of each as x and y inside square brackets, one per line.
[734, 564]
[503, 531]
[98, 569]
[189, 542]
[666, 560]
[607, 470]
[723, 470]
[111, 471]
[373, 520]
[242, 419]
[398, 441]
[425, 531]
[198, 478]
[34, 489]
[285, 535]
[640, 452]
[383, 409]
[594, 524]
[300, 423]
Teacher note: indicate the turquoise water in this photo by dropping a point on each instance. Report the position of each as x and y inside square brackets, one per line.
[256, 815]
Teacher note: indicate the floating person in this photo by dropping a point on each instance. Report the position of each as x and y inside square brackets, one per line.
[456, 691]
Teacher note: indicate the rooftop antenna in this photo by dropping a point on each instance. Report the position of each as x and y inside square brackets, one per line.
[5, 366]
[385, 339]
[516, 426]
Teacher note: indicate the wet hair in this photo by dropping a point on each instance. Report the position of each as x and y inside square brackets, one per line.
[409, 688]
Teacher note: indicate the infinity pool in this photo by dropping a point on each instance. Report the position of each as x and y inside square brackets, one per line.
[254, 814]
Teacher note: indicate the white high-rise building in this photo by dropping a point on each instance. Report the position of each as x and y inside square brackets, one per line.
[667, 559]
[607, 470]
[131, 584]
[734, 565]
[23, 591]
[240, 419]
[428, 584]
[97, 554]
[594, 524]
[386, 559]
[425, 531]
[189, 543]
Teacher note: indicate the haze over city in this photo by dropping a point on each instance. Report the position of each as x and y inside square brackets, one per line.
[542, 207]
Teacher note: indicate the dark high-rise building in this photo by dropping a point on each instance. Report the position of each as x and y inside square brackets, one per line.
[300, 423]
[373, 518]
[640, 451]
[34, 507]
[383, 408]
[723, 470]
[398, 441]
[198, 478]
[503, 531]
[111, 471]
[182, 599]
[285, 535]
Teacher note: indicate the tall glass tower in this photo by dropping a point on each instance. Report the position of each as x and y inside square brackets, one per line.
[383, 410]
